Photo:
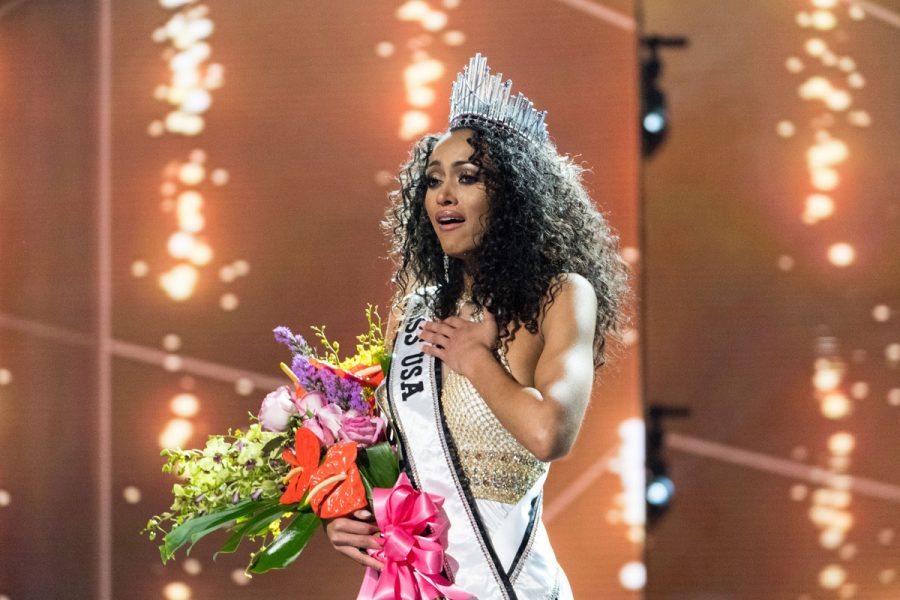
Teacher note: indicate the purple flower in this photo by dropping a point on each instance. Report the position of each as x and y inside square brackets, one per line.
[295, 343]
[347, 393]
[255, 495]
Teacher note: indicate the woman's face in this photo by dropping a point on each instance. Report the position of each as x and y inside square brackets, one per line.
[456, 200]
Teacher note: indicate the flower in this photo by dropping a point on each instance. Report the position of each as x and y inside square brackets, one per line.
[362, 429]
[304, 459]
[277, 409]
[324, 420]
[336, 488]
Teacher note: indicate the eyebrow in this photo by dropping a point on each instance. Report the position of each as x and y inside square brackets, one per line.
[437, 163]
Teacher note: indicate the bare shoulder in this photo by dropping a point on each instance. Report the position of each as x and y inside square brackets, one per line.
[573, 311]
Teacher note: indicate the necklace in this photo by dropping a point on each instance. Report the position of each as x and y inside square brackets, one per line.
[464, 299]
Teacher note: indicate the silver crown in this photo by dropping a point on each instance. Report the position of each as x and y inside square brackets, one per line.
[479, 96]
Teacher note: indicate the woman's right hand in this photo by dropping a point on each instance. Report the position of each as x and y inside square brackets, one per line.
[353, 535]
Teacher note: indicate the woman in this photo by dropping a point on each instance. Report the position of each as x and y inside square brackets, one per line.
[508, 286]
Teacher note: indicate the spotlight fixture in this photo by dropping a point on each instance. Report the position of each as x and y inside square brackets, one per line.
[660, 490]
[654, 110]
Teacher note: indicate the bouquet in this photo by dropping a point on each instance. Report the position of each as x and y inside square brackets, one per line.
[316, 450]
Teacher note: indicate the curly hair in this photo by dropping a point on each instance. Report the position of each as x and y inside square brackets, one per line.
[541, 224]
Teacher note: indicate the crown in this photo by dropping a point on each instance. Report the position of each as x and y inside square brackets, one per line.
[481, 97]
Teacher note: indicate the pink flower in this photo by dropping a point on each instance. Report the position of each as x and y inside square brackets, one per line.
[362, 429]
[323, 419]
[277, 409]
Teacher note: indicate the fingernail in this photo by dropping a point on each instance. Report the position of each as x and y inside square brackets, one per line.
[364, 514]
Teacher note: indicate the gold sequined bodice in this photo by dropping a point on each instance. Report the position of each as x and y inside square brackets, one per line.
[496, 465]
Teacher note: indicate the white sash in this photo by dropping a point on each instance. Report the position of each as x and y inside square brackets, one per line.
[473, 561]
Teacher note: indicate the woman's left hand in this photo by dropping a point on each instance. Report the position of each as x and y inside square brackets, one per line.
[460, 343]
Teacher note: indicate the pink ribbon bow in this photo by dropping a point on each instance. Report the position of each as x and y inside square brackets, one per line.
[411, 523]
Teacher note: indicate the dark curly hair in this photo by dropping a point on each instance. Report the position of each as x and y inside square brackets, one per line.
[541, 224]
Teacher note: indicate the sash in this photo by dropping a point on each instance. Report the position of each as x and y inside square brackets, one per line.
[431, 463]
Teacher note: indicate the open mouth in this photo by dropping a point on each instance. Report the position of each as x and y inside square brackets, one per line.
[448, 221]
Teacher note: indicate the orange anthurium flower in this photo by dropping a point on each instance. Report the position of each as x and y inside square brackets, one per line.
[305, 459]
[336, 488]
[364, 374]
[368, 374]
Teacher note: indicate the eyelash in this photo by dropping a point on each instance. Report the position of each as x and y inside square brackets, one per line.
[464, 178]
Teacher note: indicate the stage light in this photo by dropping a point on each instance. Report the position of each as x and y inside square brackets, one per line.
[827, 377]
[893, 397]
[171, 342]
[859, 390]
[823, 20]
[654, 113]
[413, 124]
[5, 498]
[420, 97]
[384, 49]
[892, 352]
[818, 207]
[434, 20]
[799, 492]
[131, 494]
[856, 81]
[228, 301]
[815, 47]
[835, 405]
[838, 100]
[192, 566]
[179, 281]
[655, 121]
[814, 87]
[180, 245]
[240, 577]
[841, 254]
[139, 268]
[831, 539]
[201, 254]
[184, 405]
[794, 64]
[842, 444]
[633, 575]
[824, 179]
[172, 363]
[660, 491]
[785, 129]
[244, 386]
[832, 577]
[176, 434]
[5, 376]
[219, 177]
[191, 173]
[241, 267]
[177, 591]
[414, 10]
[454, 38]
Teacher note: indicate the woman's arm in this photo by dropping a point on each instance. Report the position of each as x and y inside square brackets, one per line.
[544, 418]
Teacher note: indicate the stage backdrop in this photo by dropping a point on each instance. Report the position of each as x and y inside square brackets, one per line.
[177, 179]
[773, 280]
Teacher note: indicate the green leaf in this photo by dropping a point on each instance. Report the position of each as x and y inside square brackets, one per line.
[379, 466]
[272, 444]
[287, 546]
[384, 359]
[271, 511]
[194, 529]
